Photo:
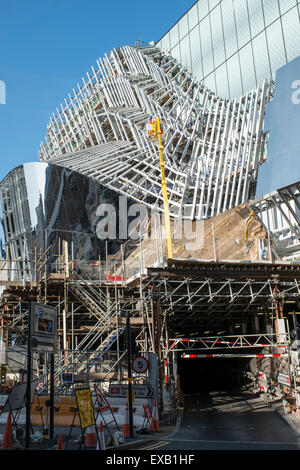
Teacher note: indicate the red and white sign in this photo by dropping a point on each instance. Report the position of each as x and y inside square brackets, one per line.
[103, 404]
[284, 379]
[149, 416]
[140, 391]
[140, 364]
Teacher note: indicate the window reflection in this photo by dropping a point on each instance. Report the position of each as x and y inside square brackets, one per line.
[267, 30]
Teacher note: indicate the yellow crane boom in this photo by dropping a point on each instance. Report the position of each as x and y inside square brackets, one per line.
[157, 133]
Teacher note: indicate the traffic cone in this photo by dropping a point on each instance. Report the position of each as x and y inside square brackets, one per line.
[60, 443]
[90, 437]
[7, 442]
[155, 416]
[101, 438]
[126, 427]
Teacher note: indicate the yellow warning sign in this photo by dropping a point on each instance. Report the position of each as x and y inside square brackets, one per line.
[85, 407]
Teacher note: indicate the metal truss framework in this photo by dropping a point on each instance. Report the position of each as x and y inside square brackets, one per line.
[194, 298]
[212, 146]
[279, 212]
[226, 342]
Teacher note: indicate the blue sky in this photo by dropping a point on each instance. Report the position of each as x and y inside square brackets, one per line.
[46, 46]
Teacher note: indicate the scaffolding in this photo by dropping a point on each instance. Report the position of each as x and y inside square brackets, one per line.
[176, 308]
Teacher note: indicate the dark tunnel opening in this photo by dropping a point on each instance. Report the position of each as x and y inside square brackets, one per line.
[213, 374]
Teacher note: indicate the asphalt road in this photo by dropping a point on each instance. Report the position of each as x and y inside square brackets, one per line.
[228, 421]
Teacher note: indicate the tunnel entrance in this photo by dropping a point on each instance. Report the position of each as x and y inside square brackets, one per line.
[213, 374]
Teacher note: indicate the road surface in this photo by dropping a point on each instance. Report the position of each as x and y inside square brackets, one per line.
[228, 421]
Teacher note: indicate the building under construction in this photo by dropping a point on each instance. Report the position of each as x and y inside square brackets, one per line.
[144, 208]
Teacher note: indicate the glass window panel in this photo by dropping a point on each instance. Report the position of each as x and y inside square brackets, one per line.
[222, 82]
[247, 69]
[196, 53]
[217, 36]
[242, 22]
[229, 28]
[202, 9]
[212, 4]
[165, 43]
[261, 58]
[185, 52]
[183, 26]
[234, 76]
[276, 47]
[291, 33]
[256, 17]
[193, 16]
[271, 10]
[176, 53]
[285, 5]
[206, 46]
[210, 82]
[174, 36]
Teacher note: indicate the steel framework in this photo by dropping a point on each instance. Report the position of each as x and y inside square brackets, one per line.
[279, 212]
[212, 146]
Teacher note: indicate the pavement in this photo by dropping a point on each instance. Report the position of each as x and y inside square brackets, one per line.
[71, 437]
[292, 419]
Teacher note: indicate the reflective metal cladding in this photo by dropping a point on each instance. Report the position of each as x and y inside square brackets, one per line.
[282, 121]
[43, 204]
[233, 45]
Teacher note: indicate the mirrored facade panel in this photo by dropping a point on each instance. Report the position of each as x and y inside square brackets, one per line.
[41, 205]
[286, 5]
[193, 17]
[267, 30]
[207, 49]
[230, 39]
[242, 22]
[247, 68]
[271, 11]
[256, 17]
[174, 36]
[276, 46]
[183, 26]
[210, 81]
[221, 81]
[203, 9]
[185, 52]
[196, 53]
[234, 76]
[261, 57]
[291, 33]
[165, 43]
[217, 36]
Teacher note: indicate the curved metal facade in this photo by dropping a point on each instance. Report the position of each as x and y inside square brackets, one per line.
[43, 204]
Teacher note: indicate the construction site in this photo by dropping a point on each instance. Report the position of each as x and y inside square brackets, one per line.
[207, 278]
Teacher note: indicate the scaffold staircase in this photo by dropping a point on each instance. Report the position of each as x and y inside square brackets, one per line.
[101, 307]
[104, 347]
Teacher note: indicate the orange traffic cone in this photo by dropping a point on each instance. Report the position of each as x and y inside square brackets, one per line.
[7, 442]
[60, 443]
[126, 427]
[90, 438]
[101, 438]
[155, 416]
